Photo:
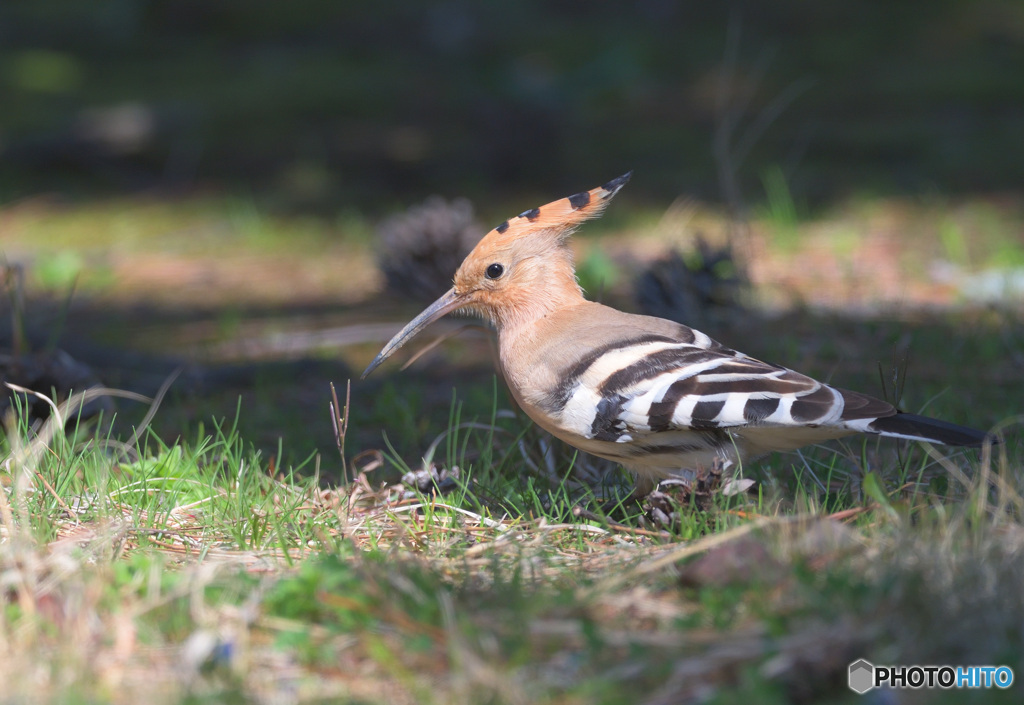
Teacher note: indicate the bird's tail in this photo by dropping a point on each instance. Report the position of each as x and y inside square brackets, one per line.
[923, 428]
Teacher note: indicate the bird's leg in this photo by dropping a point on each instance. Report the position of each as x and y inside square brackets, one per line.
[642, 487]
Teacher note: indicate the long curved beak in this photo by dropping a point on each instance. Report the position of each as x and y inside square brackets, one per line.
[446, 304]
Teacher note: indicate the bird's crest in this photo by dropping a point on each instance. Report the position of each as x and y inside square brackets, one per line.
[558, 218]
[520, 270]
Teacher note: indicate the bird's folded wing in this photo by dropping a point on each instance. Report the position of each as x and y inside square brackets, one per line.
[677, 386]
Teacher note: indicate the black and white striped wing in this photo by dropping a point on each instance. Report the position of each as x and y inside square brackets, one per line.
[653, 386]
[631, 390]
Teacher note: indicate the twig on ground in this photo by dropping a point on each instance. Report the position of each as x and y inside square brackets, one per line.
[339, 422]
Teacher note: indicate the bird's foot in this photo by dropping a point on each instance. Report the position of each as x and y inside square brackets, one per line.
[693, 489]
[432, 480]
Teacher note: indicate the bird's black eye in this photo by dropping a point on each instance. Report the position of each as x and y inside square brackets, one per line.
[494, 271]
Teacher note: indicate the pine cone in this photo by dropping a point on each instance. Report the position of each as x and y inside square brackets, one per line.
[55, 375]
[691, 291]
[420, 249]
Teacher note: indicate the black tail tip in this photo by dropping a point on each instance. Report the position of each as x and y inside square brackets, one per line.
[933, 430]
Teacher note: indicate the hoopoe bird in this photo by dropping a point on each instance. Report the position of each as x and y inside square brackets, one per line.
[655, 396]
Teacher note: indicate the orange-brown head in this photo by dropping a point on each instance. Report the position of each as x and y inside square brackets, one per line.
[520, 270]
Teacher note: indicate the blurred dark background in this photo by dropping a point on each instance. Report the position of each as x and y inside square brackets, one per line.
[202, 184]
[314, 104]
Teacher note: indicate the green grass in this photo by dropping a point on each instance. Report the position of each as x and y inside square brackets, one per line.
[200, 566]
[199, 561]
[198, 225]
[780, 212]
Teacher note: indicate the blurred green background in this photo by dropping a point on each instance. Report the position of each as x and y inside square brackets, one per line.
[197, 182]
[319, 105]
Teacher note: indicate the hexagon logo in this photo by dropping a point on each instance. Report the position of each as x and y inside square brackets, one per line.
[861, 677]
